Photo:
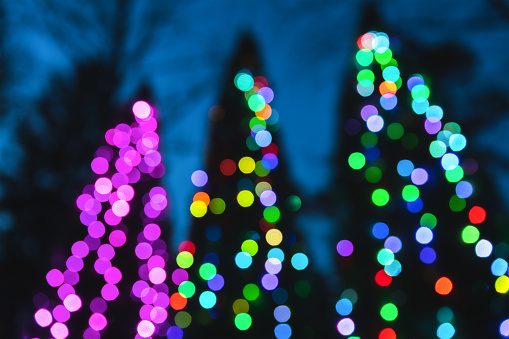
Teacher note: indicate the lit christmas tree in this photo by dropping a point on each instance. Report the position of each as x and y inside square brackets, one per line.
[414, 264]
[246, 272]
[84, 304]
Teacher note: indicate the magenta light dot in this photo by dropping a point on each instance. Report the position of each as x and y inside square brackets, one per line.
[113, 197]
[138, 287]
[179, 276]
[71, 278]
[155, 261]
[117, 238]
[82, 200]
[119, 179]
[151, 212]
[269, 282]
[103, 185]
[344, 248]
[109, 136]
[72, 302]
[134, 176]
[162, 288]
[158, 315]
[92, 243]
[145, 328]
[145, 312]
[122, 167]
[101, 265]
[157, 275]
[158, 171]
[149, 125]
[132, 158]
[162, 300]
[125, 192]
[65, 290]
[43, 317]
[96, 229]
[61, 314]
[90, 333]
[106, 251]
[98, 305]
[112, 275]
[59, 331]
[148, 295]
[74, 264]
[158, 202]
[141, 109]
[152, 158]
[101, 197]
[97, 321]
[157, 190]
[152, 232]
[99, 165]
[87, 218]
[109, 292]
[199, 178]
[55, 278]
[80, 249]
[143, 250]
[143, 272]
[120, 208]
[121, 139]
[111, 219]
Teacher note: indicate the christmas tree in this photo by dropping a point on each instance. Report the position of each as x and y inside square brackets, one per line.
[419, 262]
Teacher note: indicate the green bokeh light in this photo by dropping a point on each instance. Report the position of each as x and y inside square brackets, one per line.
[380, 197]
[410, 193]
[256, 102]
[428, 220]
[457, 204]
[187, 288]
[384, 58]
[366, 74]
[249, 246]
[369, 139]
[271, 213]
[373, 174]
[207, 271]
[389, 312]
[356, 160]
[364, 58]
[243, 321]
[251, 292]
[185, 259]
[470, 234]
[455, 174]
[395, 131]
[293, 203]
[183, 319]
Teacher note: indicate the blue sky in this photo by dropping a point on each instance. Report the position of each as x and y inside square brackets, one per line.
[307, 50]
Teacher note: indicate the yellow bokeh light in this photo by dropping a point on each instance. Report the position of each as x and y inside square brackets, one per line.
[246, 165]
[245, 198]
[240, 306]
[198, 209]
[274, 237]
[502, 284]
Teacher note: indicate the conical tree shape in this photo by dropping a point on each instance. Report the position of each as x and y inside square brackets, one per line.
[411, 207]
[248, 227]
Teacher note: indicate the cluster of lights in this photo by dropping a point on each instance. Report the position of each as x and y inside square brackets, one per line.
[258, 96]
[375, 46]
[111, 194]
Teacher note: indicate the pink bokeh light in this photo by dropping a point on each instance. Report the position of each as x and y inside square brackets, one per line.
[112, 275]
[97, 321]
[145, 328]
[157, 275]
[72, 302]
[59, 331]
[143, 250]
[109, 292]
[55, 278]
[43, 317]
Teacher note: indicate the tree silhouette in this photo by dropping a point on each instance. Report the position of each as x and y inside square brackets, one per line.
[243, 242]
[418, 267]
